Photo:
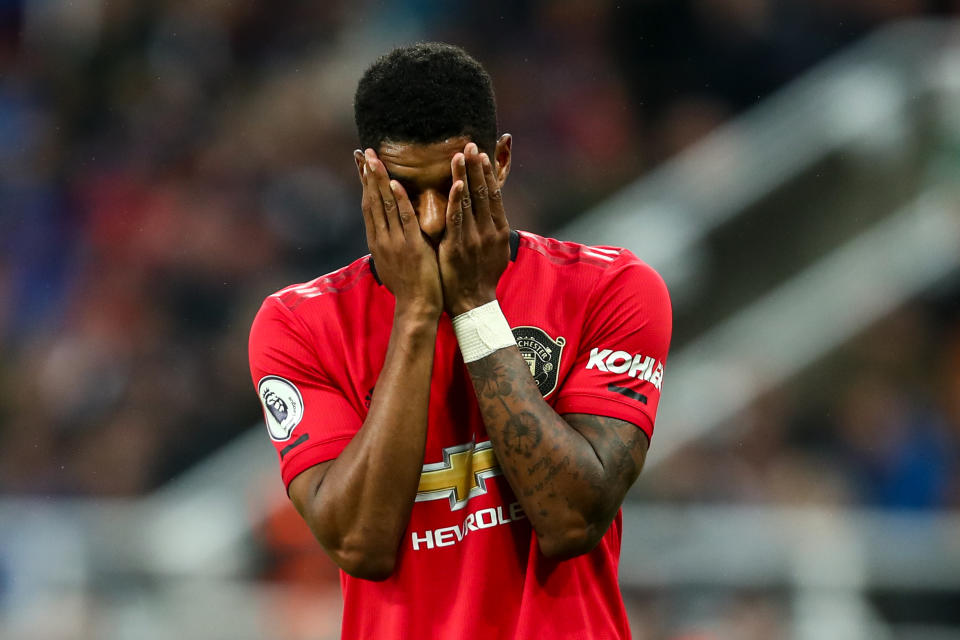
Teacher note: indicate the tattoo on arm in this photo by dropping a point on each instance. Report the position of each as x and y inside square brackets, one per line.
[539, 451]
[620, 446]
[522, 432]
[503, 390]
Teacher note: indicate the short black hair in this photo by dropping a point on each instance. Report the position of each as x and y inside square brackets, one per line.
[425, 93]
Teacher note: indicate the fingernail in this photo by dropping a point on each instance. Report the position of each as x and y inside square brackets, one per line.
[472, 148]
[485, 159]
[462, 161]
[366, 169]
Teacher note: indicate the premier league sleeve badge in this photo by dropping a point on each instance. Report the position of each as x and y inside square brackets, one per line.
[282, 406]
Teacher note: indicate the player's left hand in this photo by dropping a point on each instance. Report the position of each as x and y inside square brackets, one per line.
[475, 248]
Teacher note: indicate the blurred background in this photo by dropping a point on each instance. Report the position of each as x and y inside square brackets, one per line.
[789, 166]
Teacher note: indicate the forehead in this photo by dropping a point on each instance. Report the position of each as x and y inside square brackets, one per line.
[420, 161]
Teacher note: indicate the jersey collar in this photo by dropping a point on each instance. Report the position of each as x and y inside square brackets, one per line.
[514, 247]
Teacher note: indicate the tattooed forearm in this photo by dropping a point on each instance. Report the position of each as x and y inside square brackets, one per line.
[553, 469]
[568, 474]
[522, 432]
[503, 388]
[488, 381]
[518, 420]
[622, 455]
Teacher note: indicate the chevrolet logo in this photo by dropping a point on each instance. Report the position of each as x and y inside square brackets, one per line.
[462, 474]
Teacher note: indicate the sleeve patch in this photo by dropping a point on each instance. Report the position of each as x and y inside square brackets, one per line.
[639, 366]
[282, 406]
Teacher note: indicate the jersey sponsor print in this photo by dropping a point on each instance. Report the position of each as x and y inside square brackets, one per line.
[460, 476]
[639, 366]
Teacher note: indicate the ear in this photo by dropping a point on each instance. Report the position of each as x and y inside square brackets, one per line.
[502, 157]
[360, 160]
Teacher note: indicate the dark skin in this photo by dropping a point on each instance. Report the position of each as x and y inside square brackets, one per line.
[438, 232]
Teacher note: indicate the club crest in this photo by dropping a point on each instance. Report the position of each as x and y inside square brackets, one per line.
[542, 353]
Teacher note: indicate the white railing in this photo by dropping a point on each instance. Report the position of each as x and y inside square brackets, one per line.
[822, 559]
[779, 335]
[860, 97]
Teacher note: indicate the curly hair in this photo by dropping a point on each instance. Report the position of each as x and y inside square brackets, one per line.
[425, 93]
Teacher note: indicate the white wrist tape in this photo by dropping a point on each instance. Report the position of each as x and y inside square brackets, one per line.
[481, 331]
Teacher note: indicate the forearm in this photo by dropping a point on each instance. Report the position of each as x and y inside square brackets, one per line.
[363, 504]
[553, 469]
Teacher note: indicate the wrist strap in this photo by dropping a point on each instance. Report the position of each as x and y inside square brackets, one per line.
[481, 331]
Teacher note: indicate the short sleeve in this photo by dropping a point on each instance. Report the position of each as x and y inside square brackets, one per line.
[309, 420]
[619, 367]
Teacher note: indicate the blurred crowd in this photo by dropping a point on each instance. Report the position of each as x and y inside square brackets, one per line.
[877, 425]
[165, 165]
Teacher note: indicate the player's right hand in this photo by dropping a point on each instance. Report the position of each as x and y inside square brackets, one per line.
[406, 262]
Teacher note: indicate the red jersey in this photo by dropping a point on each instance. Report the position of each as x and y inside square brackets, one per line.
[594, 324]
